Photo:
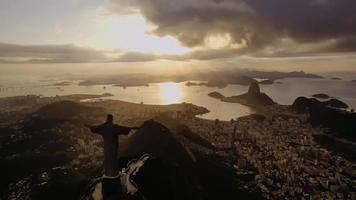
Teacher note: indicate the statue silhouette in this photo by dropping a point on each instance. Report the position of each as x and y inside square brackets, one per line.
[110, 132]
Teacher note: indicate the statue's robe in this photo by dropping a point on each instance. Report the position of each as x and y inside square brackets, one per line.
[110, 133]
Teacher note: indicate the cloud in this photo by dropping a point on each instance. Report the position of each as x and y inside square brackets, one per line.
[49, 54]
[16, 53]
[347, 44]
[204, 54]
[257, 24]
[290, 48]
[136, 57]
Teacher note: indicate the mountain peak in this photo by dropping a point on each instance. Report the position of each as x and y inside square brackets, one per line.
[254, 88]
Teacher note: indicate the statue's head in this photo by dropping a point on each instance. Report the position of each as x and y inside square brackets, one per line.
[109, 118]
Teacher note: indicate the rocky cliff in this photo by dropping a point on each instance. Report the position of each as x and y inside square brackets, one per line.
[253, 98]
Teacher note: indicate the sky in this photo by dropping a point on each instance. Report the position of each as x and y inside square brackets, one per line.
[312, 35]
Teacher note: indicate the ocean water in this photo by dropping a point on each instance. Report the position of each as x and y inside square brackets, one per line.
[156, 93]
[168, 93]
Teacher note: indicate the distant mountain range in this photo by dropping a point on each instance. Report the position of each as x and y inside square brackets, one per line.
[212, 79]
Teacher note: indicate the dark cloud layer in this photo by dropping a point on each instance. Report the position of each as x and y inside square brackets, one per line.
[256, 23]
[16, 53]
[48, 54]
[136, 57]
[207, 54]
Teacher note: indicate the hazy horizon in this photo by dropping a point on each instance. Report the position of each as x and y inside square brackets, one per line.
[93, 69]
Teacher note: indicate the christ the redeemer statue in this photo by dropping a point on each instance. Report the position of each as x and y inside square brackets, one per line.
[110, 132]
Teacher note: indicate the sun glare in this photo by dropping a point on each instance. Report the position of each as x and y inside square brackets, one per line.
[170, 92]
[131, 33]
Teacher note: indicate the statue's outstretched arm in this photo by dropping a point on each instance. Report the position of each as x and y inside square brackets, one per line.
[124, 130]
[135, 128]
[94, 129]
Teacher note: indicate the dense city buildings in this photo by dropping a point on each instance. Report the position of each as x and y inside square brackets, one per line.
[285, 159]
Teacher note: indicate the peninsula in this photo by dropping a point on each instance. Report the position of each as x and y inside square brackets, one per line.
[253, 98]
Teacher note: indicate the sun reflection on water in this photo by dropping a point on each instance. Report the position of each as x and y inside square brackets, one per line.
[170, 92]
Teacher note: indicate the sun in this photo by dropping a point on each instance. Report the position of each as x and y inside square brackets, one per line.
[132, 33]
